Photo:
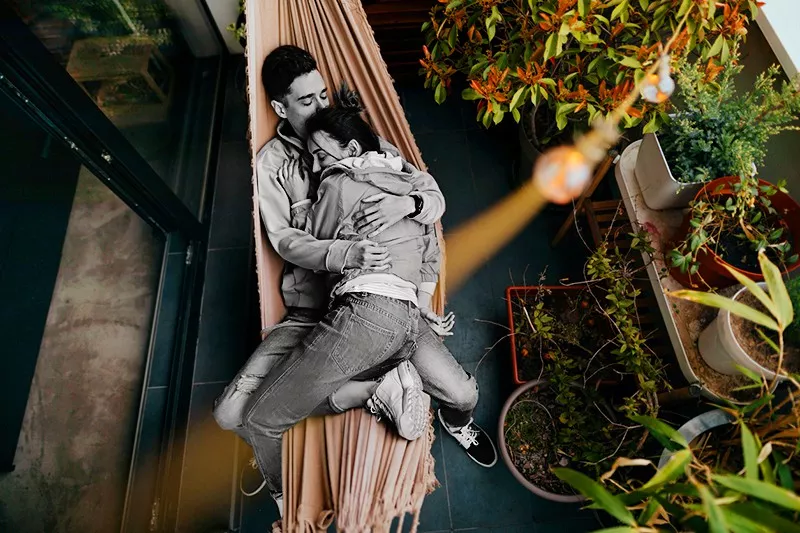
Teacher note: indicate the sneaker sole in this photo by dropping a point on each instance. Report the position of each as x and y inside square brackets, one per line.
[411, 424]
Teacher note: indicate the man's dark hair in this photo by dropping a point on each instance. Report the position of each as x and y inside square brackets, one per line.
[282, 66]
[344, 123]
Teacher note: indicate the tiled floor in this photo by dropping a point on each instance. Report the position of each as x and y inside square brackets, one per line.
[474, 169]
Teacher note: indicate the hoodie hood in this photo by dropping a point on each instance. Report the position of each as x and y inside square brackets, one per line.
[377, 168]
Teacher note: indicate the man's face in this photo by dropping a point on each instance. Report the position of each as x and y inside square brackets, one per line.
[307, 94]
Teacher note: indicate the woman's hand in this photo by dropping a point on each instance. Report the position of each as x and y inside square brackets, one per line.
[368, 255]
[442, 326]
[387, 209]
[292, 177]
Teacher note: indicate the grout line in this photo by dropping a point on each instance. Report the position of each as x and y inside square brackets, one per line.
[442, 435]
[226, 248]
[156, 387]
[225, 382]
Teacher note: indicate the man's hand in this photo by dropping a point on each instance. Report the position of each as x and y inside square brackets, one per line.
[368, 255]
[293, 179]
[442, 326]
[387, 209]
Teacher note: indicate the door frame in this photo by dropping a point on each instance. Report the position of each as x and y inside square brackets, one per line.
[41, 86]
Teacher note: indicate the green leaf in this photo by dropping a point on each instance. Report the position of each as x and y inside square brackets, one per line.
[470, 94]
[518, 98]
[631, 62]
[666, 435]
[618, 529]
[741, 524]
[716, 520]
[737, 308]
[761, 490]
[491, 30]
[594, 490]
[784, 472]
[675, 468]
[583, 7]
[750, 450]
[755, 290]
[550, 46]
[516, 114]
[716, 48]
[425, 26]
[451, 40]
[562, 110]
[498, 116]
[622, 6]
[644, 4]
[685, 5]
[777, 290]
[764, 517]
[453, 4]
[440, 93]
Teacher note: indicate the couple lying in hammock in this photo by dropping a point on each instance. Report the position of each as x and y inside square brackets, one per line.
[354, 222]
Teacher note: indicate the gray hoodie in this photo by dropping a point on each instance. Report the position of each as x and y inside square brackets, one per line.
[305, 254]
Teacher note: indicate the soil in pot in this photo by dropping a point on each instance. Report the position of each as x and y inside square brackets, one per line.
[760, 351]
[575, 322]
[530, 439]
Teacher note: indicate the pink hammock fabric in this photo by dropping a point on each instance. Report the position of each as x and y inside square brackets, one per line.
[348, 467]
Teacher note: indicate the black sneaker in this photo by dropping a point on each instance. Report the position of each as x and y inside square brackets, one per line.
[475, 441]
[251, 482]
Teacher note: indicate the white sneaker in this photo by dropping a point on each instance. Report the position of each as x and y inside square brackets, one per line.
[400, 398]
[279, 502]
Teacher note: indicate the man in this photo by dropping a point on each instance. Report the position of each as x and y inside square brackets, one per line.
[297, 90]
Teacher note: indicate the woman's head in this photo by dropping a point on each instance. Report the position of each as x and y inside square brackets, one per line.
[335, 133]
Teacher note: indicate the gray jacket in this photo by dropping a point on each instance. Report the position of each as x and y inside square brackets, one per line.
[304, 254]
[413, 246]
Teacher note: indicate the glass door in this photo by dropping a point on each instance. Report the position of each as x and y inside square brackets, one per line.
[107, 108]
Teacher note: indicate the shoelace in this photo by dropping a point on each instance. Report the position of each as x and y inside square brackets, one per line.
[466, 436]
[254, 466]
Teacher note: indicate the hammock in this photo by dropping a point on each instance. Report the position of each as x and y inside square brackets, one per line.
[349, 466]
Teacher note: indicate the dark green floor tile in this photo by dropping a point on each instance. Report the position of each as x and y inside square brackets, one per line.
[231, 219]
[235, 119]
[445, 155]
[425, 115]
[485, 497]
[208, 469]
[258, 513]
[492, 155]
[521, 528]
[223, 338]
[569, 525]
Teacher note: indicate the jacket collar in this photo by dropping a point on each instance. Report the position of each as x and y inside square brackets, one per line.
[287, 134]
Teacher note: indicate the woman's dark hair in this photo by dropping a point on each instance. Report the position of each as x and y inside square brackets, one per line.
[343, 122]
[282, 66]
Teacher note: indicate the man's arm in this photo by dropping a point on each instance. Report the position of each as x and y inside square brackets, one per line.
[292, 244]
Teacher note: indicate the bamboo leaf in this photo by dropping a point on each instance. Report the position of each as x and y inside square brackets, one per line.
[761, 490]
[665, 434]
[737, 308]
[755, 290]
[592, 489]
[675, 468]
[777, 291]
[716, 520]
[750, 451]
[764, 518]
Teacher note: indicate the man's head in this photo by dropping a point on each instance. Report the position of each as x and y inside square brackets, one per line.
[294, 85]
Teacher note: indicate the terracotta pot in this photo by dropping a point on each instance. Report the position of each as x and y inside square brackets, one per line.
[501, 439]
[712, 270]
[512, 293]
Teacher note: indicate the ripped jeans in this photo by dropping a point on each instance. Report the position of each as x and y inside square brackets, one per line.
[281, 340]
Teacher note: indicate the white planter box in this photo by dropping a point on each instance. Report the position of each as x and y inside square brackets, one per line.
[659, 189]
[720, 349]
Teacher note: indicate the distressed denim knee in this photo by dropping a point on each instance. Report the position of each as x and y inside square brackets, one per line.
[229, 407]
[464, 397]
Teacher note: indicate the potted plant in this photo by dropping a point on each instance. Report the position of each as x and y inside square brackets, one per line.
[591, 367]
[239, 28]
[737, 476]
[573, 60]
[729, 222]
[714, 132]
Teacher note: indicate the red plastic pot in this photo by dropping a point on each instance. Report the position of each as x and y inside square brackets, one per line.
[512, 294]
[712, 267]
